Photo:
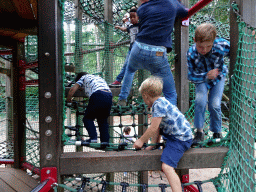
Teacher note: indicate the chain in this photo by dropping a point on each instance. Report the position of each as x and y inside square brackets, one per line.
[239, 16]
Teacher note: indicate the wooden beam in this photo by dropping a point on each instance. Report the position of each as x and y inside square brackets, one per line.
[81, 93]
[144, 160]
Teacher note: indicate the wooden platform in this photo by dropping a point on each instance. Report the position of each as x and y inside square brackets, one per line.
[16, 180]
[143, 160]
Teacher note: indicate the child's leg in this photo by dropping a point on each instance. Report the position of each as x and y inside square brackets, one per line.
[172, 178]
[104, 103]
[215, 96]
[200, 105]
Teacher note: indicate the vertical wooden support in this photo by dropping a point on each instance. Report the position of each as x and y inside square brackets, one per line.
[79, 57]
[143, 175]
[78, 38]
[108, 14]
[19, 106]
[50, 61]
[181, 72]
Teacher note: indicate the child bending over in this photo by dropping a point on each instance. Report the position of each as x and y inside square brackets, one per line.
[166, 120]
[99, 106]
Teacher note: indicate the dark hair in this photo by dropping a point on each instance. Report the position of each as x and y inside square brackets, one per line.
[127, 129]
[133, 9]
[79, 75]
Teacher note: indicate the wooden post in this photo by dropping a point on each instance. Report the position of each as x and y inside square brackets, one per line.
[181, 72]
[19, 106]
[108, 15]
[50, 62]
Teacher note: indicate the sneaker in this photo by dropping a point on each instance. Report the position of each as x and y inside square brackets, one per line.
[121, 102]
[91, 140]
[217, 136]
[199, 136]
[116, 83]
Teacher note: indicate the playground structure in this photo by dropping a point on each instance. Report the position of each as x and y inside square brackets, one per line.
[53, 163]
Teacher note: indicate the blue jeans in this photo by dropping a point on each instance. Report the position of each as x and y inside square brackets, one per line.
[122, 72]
[99, 107]
[153, 61]
[214, 105]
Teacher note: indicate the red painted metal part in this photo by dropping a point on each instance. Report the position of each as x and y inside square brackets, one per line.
[48, 174]
[23, 66]
[6, 161]
[195, 8]
[31, 168]
[189, 188]
[6, 52]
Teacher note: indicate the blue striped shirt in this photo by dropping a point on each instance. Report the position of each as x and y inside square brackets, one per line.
[173, 121]
[199, 65]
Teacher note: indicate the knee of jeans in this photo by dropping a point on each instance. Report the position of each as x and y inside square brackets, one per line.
[200, 100]
[214, 107]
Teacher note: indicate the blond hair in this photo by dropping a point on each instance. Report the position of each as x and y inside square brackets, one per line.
[205, 32]
[153, 86]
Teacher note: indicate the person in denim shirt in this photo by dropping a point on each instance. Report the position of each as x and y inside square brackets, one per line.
[149, 51]
[168, 121]
[205, 60]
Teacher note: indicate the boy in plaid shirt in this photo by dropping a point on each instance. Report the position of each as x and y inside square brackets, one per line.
[205, 60]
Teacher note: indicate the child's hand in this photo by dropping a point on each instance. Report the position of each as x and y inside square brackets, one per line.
[254, 33]
[138, 144]
[212, 74]
[150, 148]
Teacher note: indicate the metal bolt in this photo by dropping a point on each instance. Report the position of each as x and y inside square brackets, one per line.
[48, 157]
[48, 133]
[48, 172]
[47, 54]
[47, 95]
[48, 119]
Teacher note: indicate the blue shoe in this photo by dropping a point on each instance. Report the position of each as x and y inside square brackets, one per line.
[91, 140]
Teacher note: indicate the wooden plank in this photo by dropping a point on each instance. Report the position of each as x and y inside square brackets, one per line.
[23, 8]
[81, 93]
[4, 187]
[24, 177]
[14, 182]
[143, 160]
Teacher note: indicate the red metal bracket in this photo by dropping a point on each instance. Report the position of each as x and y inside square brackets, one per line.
[22, 79]
[48, 178]
[189, 188]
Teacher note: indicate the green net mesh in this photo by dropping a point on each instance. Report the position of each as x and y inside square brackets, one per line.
[93, 45]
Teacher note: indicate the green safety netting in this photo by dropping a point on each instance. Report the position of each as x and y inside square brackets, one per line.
[88, 47]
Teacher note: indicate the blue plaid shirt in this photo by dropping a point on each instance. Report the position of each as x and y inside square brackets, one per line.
[199, 65]
[173, 121]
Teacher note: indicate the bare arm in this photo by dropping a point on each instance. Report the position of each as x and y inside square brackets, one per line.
[121, 28]
[72, 91]
[152, 131]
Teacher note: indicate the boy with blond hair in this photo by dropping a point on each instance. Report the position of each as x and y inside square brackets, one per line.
[166, 120]
[205, 60]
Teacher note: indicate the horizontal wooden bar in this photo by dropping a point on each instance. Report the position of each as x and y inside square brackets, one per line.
[81, 93]
[143, 160]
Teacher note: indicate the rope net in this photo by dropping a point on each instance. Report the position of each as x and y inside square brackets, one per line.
[93, 45]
